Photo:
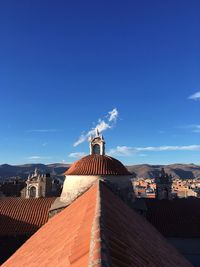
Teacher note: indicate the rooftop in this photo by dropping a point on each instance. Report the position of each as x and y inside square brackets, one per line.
[97, 165]
[97, 229]
[175, 218]
[19, 216]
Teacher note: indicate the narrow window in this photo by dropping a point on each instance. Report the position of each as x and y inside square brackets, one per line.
[33, 191]
[96, 149]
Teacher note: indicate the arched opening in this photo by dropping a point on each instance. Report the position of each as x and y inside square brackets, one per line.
[96, 149]
[33, 191]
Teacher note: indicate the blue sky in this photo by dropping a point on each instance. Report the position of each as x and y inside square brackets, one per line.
[64, 65]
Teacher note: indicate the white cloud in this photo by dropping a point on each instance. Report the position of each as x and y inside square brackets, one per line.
[76, 155]
[169, 148]
[128, 151]
[34, 157]
[195, 96]
[37, 157]
[121, 151]
[113, 115]
[81, 139]
[102, 125]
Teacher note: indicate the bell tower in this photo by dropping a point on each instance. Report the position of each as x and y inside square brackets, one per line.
[97, 144]
[37, 185]
[164, 185]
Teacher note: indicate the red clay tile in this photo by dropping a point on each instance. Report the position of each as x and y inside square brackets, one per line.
[175, 218]
[19, 216]
[97, 165]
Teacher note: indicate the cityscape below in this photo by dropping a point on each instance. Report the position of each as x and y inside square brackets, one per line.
[185, 178]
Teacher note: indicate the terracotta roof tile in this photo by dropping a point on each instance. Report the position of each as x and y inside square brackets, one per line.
[64, 240]
[97, 165]
[130, 240]
[175, 218]
[19, 216]
[97, 229]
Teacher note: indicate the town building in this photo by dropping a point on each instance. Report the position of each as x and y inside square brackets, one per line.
[41, 185]
[37, 185]
[186, 188]
[144, 188]
[11, 187]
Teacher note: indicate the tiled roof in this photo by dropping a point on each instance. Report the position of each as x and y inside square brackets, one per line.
[175, 218]
[19, 216]
[64, 240]
[131, 240]
[97, 229]
[97, 165]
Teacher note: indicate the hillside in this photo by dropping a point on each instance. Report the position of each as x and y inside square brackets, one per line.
[24, 170]
[184, 171]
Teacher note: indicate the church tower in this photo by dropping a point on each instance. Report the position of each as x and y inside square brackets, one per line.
[97, 144]
[97, 166]
[37, 185]
[164, 186]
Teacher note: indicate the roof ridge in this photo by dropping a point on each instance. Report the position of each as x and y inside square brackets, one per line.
[95, 240]
[98, 255]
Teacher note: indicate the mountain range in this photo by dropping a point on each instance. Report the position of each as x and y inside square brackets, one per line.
[23, 171]
[184, 171]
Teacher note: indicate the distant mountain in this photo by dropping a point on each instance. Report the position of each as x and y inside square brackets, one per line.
[184, 171]
[24, 170]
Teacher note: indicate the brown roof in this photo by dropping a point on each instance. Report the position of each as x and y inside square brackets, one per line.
[175, 218]
[97, 165]
[97, 229]
[19, 216]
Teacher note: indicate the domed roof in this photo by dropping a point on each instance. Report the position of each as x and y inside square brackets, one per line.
[97, 165]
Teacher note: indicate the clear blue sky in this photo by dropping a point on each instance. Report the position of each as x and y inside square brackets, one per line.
[65, 64]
